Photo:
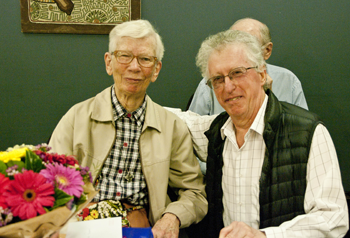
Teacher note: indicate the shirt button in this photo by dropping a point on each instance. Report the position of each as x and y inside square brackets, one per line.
[118, 194]
[128, 115]
[120, 171]
[125, 144]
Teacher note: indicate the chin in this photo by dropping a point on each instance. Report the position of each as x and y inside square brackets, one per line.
[234, 112]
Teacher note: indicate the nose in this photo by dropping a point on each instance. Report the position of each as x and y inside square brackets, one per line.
[134, 63]
[230, 84]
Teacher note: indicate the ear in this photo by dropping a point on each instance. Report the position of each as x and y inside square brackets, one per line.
[269, 82]
[268, 50]
[108, 62]
[263, 77]
[156, 71]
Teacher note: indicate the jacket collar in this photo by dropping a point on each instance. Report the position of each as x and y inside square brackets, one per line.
[152, 116]
[102, 110]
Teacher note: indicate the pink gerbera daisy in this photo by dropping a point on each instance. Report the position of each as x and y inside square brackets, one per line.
[28, 194]
[4, 182]
[67, 179]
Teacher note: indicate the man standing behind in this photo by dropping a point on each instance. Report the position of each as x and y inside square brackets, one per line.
[286, 86]
[135, 148]
[272, 166]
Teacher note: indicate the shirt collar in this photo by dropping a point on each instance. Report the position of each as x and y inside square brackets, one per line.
[257, 125]
[119, 111]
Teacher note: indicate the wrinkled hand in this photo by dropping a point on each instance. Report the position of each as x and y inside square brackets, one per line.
[167, 227]
[269, 81]
[239, 230]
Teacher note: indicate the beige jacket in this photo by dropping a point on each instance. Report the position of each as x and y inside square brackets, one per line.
[87, 131]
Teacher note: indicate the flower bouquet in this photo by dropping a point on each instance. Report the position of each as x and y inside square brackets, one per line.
[40, 191]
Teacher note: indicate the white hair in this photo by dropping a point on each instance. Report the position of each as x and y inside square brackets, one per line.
[219, 41]
[136, 29]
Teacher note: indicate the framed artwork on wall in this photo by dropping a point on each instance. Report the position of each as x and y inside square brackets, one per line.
[76, 16]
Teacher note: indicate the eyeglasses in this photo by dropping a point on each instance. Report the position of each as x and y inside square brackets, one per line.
[125, 57]
[219, 81]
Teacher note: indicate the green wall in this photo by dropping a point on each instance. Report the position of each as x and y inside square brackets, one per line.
[42, 75]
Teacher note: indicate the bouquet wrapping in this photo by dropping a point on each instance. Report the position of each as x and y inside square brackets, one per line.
[40, 191]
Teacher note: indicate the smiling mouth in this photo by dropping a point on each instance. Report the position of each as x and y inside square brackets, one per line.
[234, 99]
[133, 79]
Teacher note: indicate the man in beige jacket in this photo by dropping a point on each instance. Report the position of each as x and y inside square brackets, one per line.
[135, 148]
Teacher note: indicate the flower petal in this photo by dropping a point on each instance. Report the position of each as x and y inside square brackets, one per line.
[42, 195]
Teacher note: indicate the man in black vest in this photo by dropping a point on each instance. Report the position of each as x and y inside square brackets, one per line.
[272, 169]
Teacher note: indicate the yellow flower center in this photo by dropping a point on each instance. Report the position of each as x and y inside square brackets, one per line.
[62, 180]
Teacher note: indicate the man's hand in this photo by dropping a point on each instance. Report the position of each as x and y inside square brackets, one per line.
[167, 227]
[239, 230]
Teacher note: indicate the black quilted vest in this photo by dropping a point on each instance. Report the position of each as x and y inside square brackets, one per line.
[287, 134]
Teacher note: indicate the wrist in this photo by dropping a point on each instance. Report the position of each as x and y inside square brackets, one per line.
[173, 217]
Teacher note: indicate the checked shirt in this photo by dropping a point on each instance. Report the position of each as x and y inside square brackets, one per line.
[121, 175]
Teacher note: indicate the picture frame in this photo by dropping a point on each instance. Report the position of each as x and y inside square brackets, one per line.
[76, 16]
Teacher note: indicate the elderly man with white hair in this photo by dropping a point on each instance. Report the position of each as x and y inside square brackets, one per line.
[136, 150]
[272, 166]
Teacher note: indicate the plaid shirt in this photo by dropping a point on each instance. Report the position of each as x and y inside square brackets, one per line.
[121, 175]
